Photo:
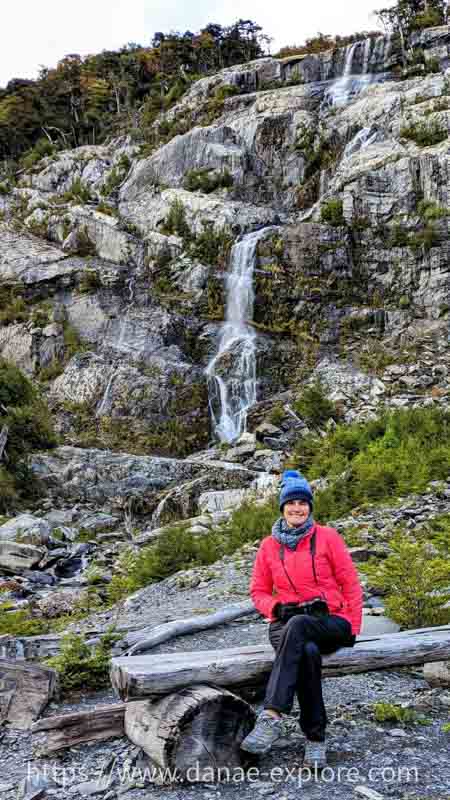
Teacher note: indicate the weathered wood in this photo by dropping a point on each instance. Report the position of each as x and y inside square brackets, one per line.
[150, 637]
[36, 648]
[243, 667]
[30, 648]
[193, 732]
[25, 690]
[66, 730]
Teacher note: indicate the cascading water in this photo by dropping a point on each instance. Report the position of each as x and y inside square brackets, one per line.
[339, 92]
[359, 73]
[363, 139]
[231, 372]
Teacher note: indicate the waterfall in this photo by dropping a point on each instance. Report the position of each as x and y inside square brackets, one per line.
[339, 92]
[373, 57]
[367, 49]
[231, 373]
[105, 403]
[363, 138]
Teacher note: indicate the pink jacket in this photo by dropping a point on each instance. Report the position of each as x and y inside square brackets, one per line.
[337, 579]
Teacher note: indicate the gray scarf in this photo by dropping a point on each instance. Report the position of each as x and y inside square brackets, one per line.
[291, 536]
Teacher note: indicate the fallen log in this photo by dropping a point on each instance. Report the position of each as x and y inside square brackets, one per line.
[192, 733]
[25, 690]
[30, 648]
[151, 637]
[67, 730]
[247, 667]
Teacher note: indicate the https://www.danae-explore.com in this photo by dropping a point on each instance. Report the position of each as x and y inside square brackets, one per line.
[126, 773]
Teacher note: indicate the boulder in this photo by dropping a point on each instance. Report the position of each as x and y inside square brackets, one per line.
[437, 674]
[26, 689]
[16, 557]
[112, 480]
[148, 208]
[25, 529]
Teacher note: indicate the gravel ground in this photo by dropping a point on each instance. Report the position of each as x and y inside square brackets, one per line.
[406, 762]
[397, 761]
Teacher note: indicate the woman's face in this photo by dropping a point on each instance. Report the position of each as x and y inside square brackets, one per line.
[296, 512]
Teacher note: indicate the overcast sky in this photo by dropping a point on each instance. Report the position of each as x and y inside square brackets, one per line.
[41, 33]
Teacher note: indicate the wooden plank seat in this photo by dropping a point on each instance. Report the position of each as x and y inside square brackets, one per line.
[189, 707]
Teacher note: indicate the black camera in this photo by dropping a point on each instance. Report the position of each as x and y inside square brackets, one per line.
[317, 607]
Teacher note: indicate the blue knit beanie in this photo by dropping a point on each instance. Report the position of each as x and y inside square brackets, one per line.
[294, 487]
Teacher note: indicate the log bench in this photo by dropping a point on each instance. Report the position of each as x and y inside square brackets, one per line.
[190, 708]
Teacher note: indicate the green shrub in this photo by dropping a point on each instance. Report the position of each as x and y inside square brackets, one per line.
[207, 180]
[430, 18]
[41, 149]
[423, 134]
[216, 104]
[176, 549]
[18, 623]
[277, 414]
[399, 236]
[250, 522]
[116, 176]
[429, 211]
[432, 65]
[78, 193]
[427, 238]
[175, 222]
[437, 532]
[72, 342]
[29, 428]
[211, 246]
[13, 311]
[332, 212]
[163, 257]
[390, 712]
[395, 454]
[83, 667]
[416, 583]
[314, 407]
[90, 281]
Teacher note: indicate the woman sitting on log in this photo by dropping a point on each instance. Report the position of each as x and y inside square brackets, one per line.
[316, 608]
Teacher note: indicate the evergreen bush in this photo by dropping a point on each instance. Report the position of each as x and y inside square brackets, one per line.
[207, 180]
[175, 222]
[395, 454]
[29, 425]
[212, 245]
[332, 212]
[416, 583]
[423, 134]
[314, 407]
[83, 667]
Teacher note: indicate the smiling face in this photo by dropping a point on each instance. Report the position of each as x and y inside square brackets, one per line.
[296, 512]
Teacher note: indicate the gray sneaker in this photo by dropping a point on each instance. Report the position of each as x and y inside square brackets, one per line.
[315, 755]
[266, 731]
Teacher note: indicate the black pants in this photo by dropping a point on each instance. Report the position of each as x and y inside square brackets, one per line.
[297, 668]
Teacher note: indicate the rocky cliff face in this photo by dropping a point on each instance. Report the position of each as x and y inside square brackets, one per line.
[113, 260]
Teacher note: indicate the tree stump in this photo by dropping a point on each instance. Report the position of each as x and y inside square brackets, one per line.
[193, 734]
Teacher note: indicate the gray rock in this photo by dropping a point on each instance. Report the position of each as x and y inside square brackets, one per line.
[437, 674]
[103, 477]
[25, 529]
[16, 557]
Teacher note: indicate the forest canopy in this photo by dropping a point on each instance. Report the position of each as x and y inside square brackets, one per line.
[83, 100]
